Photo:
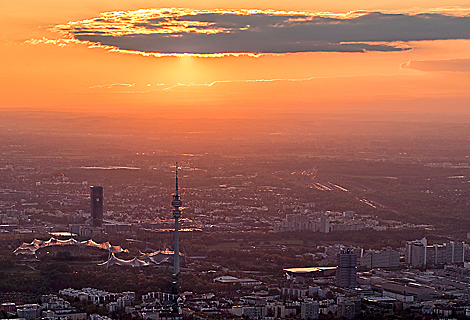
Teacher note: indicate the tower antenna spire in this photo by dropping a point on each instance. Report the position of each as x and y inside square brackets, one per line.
[176, 189]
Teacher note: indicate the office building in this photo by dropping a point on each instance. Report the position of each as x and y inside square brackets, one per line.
[96, 198]
[309, 310]
[346, 269]
[420, 255]
[324, 224]
[387, 258]
[348, 308]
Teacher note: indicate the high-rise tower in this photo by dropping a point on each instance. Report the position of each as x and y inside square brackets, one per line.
[177, 204]
[346, 269]
[96, 198]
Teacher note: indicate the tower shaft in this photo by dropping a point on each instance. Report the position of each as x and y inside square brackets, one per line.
[176, 266]
[177, 204]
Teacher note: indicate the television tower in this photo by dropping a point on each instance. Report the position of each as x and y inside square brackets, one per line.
[177, 204]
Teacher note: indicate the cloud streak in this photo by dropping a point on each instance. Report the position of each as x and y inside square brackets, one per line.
[451, 65]
[220, 32]
[210, 84]
[113, 85]
[241, 81]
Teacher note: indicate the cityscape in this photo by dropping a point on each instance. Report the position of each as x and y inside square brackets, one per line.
[235, 160]
[260, 235]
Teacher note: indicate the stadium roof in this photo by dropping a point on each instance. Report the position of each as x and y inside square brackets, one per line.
[31, 248]
[120, 262]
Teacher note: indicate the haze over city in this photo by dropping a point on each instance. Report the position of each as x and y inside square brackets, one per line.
[232, 160]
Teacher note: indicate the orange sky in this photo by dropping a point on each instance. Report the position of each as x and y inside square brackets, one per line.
[37, 73]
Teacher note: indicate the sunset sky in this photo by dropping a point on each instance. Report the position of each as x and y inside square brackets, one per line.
[242, 56]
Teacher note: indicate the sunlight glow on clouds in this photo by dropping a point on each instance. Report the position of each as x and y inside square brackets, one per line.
[163, 32]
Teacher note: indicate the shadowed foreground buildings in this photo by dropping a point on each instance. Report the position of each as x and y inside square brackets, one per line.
[309, 310]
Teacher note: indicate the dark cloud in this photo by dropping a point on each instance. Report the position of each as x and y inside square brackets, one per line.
[216, 43]
[452, 65]
[239, 21]
[268, 32]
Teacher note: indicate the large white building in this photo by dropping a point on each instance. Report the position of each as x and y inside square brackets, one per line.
[387, 258]
[296, 222]
[420, 255]
[324, 224]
